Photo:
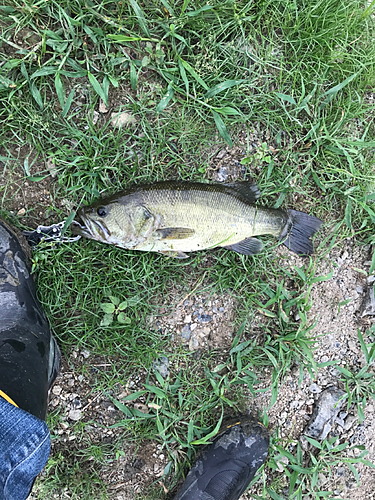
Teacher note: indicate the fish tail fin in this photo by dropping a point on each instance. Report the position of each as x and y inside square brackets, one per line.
[298, 231]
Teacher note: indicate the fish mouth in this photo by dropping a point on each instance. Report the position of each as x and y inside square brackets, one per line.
[91, 229]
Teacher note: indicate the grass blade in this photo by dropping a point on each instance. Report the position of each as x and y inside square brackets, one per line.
[134, 395]
[12, 63]
[68, 221]
[158, 392]
[97, 87]
[113, 81]
[140, 16]
[368, 10]
[184, 6]
[194, 74]
[222, 128]
[123, 408]
[124, 38]
[227, 110]
[197, 12]
[363, 345]
[190, 435]
[314, 442]
[285, 97]
[24, 71]
[133, 76]
[47, 70]
[165, 100]
[372, 267]
[348, 213]
[339, 86]
[274, 495]
[68, 103]
[222, 86]
[36, 94]
[205, 439]
[323, 277]
[274, 394]
[105, 86]
[60, 90]
[183, 75]
[370, 212]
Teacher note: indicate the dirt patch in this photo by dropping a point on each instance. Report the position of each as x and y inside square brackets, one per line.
[203, 321]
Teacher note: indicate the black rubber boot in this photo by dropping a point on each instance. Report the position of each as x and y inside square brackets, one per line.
[29, 356]
[227, 466]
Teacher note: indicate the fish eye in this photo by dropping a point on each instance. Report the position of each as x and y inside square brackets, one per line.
[101, 211]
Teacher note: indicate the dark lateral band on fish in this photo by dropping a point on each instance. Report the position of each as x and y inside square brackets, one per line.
[175, 217]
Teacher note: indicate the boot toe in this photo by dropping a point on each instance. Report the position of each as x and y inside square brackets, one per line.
[227, 466]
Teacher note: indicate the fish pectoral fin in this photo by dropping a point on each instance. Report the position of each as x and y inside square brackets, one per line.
[174, 254]
[175, 233]
[248, 246]
[248, 191]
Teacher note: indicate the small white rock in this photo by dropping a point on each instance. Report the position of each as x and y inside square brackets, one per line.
[118, 120]
[56, 390]
[221, 154]
[52, 167]
[314, 388]
[95, 117]
[282, 461]
[349, 421]
[345, 255]
[75, 415]
[22, 211]
[352, 346]
[187, 318]
[102, 107]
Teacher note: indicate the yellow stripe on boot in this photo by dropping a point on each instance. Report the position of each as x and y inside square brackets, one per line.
[3, 395]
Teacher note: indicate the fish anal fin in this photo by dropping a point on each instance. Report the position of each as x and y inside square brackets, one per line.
[248, 246]
[175, 233]
[174, 254]
[247, 190]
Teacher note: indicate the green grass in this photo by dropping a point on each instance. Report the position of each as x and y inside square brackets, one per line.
[359, 384]
[294, 77]
[303, 470]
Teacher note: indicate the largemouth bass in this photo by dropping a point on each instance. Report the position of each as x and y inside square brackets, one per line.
[175, 217]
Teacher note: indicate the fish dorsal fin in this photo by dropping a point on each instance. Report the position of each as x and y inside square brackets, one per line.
[248, 191]
[248, 246]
